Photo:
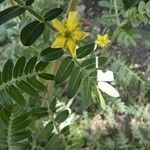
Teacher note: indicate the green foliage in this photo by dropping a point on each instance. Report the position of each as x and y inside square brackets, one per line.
[84, 50]
[64, 70]
[74, 82]
[18, 78]
[122, 66]
[86, 92]
[140, 14]
[31, 32]
[1, 1]
[50, 54]
[53, 13]
[127, 36]
[43, 107]
[10, 13]
[14, 128]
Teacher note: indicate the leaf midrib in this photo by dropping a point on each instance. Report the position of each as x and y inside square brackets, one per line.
[2, 86]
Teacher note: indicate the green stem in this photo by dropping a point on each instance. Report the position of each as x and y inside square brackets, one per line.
[116, 12]
[84, 71]
[51, 84]
[57, 128]
[39, 17]
[9, 133]
[72, 6]
[18, 79]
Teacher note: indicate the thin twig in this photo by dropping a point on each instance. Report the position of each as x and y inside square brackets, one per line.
[39, 17]
[116, 12]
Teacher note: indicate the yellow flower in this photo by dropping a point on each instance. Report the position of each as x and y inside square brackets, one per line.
[69, 33]
[102, 40]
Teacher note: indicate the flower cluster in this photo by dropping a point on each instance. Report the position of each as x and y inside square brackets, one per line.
[103, 41]
[69, 33]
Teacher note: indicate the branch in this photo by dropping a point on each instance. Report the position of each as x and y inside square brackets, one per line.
[36, 15]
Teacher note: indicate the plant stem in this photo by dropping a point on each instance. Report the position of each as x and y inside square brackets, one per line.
[116, 12]
[39, 17]
[51, 84]
[9, 133]
[57, 129]
[86, 74]
[72, 5]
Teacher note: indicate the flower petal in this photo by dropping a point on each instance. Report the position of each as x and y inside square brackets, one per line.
[58, 26]
[73, 20]
[108, 89]
[59, 42]
[72, 47]
[79, 35]
[102, 40]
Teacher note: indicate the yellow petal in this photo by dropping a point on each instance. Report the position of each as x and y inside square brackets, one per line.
[59, 42]
[72, 47]
[102, 40]
[73, 20]
[79, 35]
[58, 26]
[105, 36]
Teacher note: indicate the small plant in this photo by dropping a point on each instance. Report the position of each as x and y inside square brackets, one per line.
[55, 79]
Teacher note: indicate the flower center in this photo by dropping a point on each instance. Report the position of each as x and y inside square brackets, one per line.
[67, 34]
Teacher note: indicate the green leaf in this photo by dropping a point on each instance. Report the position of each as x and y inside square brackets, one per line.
[6, 101]
[21, 126]
[54, 144]
[46, 34]
[46, 132]
[64, 70]
[21, 146]
[100, 97]
[7, 71]
[53, 13]
[86, 92]
[4, 115]
[46, 76]
[20, 136]
[62, 116]
[52, 105]
[51, 54]
[85, 50]
[26, 87]
[40, 66]
[66, 130]
[29, 2]
[128, 3]
[76, 143]
[1, 1]
[19, 67]
[30, 65]
[91, 62]
[31, 32]
[21, 118]
[32, 102]
[14, 93]
[74, 82]
[106, 4]
[1, 81]
[39, 112]
[10, 13]
[37, 84]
